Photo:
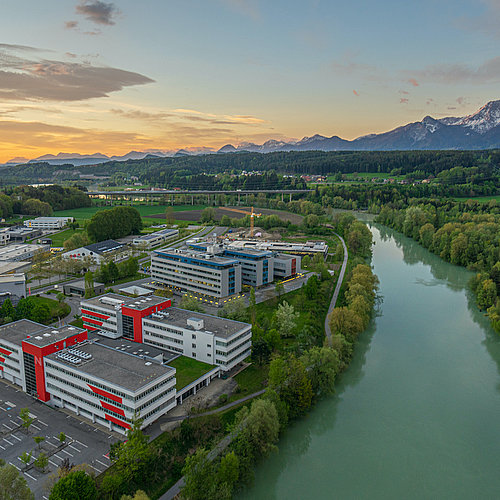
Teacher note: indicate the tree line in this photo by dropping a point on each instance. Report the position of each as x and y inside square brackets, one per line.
[465, 234]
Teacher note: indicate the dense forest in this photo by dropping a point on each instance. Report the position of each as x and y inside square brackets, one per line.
[465, 234]
[42, 200]
[473, 166]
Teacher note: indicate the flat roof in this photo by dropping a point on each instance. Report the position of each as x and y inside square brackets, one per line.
[104, 246]
[8, 266]
[50, 335]
[120, 368]
[81, 284]
[18, 249]
[9, 278]
[163, 232]
[48, 219]
[221, 327]
[136, 290]
[109, 300]
[124, 345]
[203, 258]
[20, 330]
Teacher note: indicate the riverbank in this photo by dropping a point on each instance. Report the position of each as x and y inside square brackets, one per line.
[414, 415]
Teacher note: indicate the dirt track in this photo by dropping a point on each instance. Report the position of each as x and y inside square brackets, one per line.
[195, 215]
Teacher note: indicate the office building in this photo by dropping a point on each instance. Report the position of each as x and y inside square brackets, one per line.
[96, 251]
[201, 273]
[48, 223]
[13, 287]
[157, 238]
[20, 252]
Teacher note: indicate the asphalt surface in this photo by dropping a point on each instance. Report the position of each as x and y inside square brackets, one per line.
[328, 331]
[85, 443]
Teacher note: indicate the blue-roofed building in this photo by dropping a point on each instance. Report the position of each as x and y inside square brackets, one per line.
[201, 273]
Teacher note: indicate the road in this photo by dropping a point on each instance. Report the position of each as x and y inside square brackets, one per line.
[337, 290]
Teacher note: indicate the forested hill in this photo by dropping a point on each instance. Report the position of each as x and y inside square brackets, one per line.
[177, 172]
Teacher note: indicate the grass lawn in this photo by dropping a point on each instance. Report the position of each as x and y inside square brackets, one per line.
[57, 310]
[59, 238]
[480, 199]
[86, 213]
[77, 322]
[251, 379]
[188, 370]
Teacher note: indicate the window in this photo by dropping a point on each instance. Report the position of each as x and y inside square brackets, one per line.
[193, 336]
[193, 346]
[128, 327]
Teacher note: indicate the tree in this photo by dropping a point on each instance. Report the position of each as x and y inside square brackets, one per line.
[139, 495]
[114, 223]
[285, 319]
[259, 429]
[89, 284]
[134, 456]
[261, 351]
[252, 305]
[75, 485]
[62, 437]
[7, 310]
[322, 365]
[288, 377]
[345, 322]
[487, 294]
[24, 415]
[191, 304]
[199, 476]
[208, 214]
[279, 289]
[235, 310]
[26, 458]
[169, 215]
[114, 274]
[39, 440]
[41, 313]
[41, 461]
[12, 485]
[306, 260]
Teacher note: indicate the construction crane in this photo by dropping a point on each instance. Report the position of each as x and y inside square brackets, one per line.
[252, 215]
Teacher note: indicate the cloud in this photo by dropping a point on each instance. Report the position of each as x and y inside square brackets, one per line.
[190, 115]
[404, 92]
[356, 93]
[71, 25]
[413, 82]
[25, 79]
[486, 72]
[98, 12]
[462, 101]
[348, 67]
[404, 100]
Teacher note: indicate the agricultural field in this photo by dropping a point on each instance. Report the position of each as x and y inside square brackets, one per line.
[85, 213]
[58, 239]
[480, 199]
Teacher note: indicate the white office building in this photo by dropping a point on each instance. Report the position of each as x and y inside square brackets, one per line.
[207, 338]
[48, 223]
[157, 238]
[200, 273]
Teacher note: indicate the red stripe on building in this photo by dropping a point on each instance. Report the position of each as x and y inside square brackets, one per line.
[2, 359]
[4, 351]
[106, 394]
[93, 321]
[1, 368]
[116, 421]
[92, 313]
[112, 408]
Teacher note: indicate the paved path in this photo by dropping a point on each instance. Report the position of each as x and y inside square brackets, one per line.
[223, 444]
[214, 411]
[337, 290]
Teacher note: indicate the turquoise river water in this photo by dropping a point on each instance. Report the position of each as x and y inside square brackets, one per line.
[417, 414]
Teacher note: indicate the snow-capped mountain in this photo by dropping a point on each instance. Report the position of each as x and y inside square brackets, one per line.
[480, 130]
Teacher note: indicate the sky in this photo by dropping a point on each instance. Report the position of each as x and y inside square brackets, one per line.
[87, 76]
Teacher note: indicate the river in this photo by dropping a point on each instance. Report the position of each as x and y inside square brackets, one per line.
[417, 413]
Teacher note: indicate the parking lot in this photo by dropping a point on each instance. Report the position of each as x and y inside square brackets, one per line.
[84, 443]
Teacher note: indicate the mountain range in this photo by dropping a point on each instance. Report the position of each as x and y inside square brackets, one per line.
[480, 130]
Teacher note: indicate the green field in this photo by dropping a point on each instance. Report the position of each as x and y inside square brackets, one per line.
[480, 199]
[58, 239]
[86, 213]
[188, 370]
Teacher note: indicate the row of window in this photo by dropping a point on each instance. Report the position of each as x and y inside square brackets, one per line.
[106, 312]
[164, 346]
[161, 327]
[175, 265]
[243, 355]
[164, 337]
[221, 343]
[88, 380]
[222, 353]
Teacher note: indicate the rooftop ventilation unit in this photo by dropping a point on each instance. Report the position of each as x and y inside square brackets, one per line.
[46, 334]
[110, 301]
